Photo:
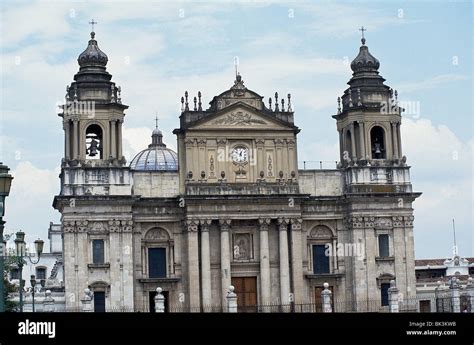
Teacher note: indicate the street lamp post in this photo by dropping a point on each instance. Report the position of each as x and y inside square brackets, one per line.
[5, 184]
[20, 252]
[33, 284]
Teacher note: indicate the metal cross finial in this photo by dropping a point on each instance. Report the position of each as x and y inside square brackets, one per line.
[156, 121]
[92, 24]
[362, 29]
[236, 65]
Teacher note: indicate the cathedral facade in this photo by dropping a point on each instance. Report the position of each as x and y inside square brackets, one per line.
[231, 206]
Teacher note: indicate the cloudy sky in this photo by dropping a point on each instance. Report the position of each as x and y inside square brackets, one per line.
[159, 49]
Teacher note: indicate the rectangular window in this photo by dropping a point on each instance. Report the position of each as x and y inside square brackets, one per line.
[157, 262]
[383, 246]
[384, 293]
[99, 302]
[320, 259]
[98, 251]
[15, 273]
[40, 273]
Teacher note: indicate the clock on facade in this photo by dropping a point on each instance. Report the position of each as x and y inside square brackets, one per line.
[240, 154]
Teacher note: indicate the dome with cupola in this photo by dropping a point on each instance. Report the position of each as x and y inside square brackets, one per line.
[92, 56]
[157, 157]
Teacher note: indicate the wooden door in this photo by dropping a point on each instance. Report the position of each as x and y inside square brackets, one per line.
[99, 302]
[246, 291]
[425, 306]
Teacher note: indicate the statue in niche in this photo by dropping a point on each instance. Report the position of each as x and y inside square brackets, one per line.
[242, 247]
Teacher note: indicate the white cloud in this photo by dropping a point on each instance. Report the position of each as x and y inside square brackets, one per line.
[29, 205]
[446, 183]
[433, 82]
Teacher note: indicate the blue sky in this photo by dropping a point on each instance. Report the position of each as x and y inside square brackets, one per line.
[159, 49]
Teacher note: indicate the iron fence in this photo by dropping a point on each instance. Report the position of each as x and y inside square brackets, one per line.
[424, 303]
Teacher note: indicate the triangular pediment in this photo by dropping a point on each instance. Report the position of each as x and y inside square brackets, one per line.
[241, 116]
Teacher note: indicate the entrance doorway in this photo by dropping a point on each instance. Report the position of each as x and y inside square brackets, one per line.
[99, 302]
[151, 304]
[246, 291]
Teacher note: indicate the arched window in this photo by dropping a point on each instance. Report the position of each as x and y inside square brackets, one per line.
[377, 143]
[94, 142]
[158, 249]
[348, 147]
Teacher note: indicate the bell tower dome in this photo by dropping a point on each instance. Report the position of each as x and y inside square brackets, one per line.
[368, 116]
[93, 112]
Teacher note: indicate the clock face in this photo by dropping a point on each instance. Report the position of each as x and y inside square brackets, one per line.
[240, 154]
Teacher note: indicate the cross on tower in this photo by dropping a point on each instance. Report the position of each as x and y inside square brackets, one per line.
[362, 29]
[92, 24]
[156, 120]
[236, 65]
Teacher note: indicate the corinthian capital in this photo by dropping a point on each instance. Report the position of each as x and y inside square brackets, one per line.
[191, 225]
[283, 223]
[296, 224]
[264, 223]
[225, 224]
[205, 224]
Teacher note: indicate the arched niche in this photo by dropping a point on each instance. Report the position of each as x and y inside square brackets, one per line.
[94, 142]
[378, 143]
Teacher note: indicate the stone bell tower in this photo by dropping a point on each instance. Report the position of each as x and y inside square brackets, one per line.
[377, 184]
[92, 116]
[369, 118]
[93, 113]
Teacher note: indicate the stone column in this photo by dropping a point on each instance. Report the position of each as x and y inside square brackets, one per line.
[159, 301]
[297, 260]
[284, 264]
[265, 278]
[362, 139]
[48, 302]
[341, 144]
[353, 145]
[75, 139]
[393, 297]
[113, 141]
[231, 299]
[205, 263]
[326, 299]
[470, 291]
[119, 143]
[399, 140]
[395, 139]
[193, 265]
[455, 295]
[225, 258]
[67, 139]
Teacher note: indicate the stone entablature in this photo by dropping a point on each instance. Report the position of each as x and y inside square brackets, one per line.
[97, 227]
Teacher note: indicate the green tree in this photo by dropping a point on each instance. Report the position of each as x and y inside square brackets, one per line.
[10, 263]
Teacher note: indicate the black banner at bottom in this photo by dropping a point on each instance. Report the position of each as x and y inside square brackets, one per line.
[210, 328]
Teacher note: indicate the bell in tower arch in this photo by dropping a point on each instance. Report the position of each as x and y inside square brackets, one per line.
[94, 142]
